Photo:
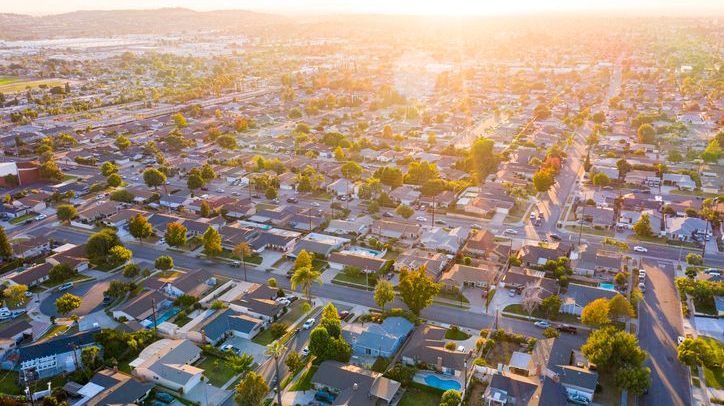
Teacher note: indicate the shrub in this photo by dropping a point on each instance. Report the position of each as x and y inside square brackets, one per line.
[277, 330]
[402, 374]
[450, 346]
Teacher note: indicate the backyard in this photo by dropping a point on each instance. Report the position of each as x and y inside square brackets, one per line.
[9, 383]
[419, 395]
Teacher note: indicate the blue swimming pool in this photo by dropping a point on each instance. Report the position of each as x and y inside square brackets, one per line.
[442, 384]
[606, 285]
[366, 251]
[165, 316]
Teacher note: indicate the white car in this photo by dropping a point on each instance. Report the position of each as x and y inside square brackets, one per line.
[421, 218]
[542, 324]
[680, 339]
[639, 248]
[283, 301]
[315, 204]
[642, 274]
[510, 231]
[309, 323]
[305, 351]
[40, 217]
[476, 227]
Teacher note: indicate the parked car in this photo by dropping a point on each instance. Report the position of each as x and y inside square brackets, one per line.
[639, 248]
[292, 200]
[41, 217]
[28, 293]
[65, 286]
[309, 323]
[510, 231]
[283, 301]
[107, 300]
[440, 222]
[565, 328]
[642, 286]
[230, 347]
[542, 324]
[164, 397]
[388, 214]
[555, 237]
[315, 204]
[235, 264]
[305, 351]
[476, 227]
[324, 396]
[642, 274]
[420, 218]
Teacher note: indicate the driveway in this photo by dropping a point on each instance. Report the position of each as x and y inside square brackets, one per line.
[502, 299]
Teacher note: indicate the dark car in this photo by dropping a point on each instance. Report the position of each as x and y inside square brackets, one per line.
[555, 237]
[164, 397]
[324, 396]
[107, 300]
[292, 200]
[565, 328]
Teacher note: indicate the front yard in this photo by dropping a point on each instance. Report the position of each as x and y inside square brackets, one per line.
[294, 312]
[537, 314]
[714, 377]
[216, 369]
[305, 380]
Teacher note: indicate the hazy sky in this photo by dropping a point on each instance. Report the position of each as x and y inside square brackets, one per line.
[424, 7]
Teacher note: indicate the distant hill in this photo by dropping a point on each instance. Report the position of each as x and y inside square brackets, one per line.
[93, 23]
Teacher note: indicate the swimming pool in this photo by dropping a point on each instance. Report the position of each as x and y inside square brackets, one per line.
[366, 251]
[606, 285]
[148, 323]
[442, 384]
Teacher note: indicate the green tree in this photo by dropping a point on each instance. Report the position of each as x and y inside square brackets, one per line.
[294, 362]
[600, 179]
[175, 234]
[695, 352]
[108, 168]
[67, 303]
[114, 180]
[131, 270]
[596, 313]
[251, 390]
[66, 213]
[611, 349]
[634, 379]
[154, 178]
[205, 209]
[119, 254]
[194, 181]
[642, 227]
[163, 263]
[694, 259]
[712, 151]
[15, 293]
[276, 351]
[551, 332]
[482, 159]
[543, 180]
[99, 245]
[207, 173]
[49, 170]
[226, 141]
[179, 120]
[304, 278]
[623, 168]
[6, 250]
[404, 211]
[417, 290]
[551, 306]
[450, 397]
[212, 242]
[89, 356]
[304, 259]
[271, 193]
[384, 293]
[646, 133]
[139, 227]
[619, 308]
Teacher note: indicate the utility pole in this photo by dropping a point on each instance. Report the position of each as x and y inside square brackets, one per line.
[155, 322]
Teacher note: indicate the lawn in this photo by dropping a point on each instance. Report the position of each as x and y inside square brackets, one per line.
[18, 220]
[452, 334]
[55, 331]
[216, 369]
[418, 395]
[305, 380]
[13, 304]
[74, 278]
[318, 265]
[453, 296]
[501, 353]
[564, 317]
[359, 279]
[714, 377]
[294, 312]
[9, 383]
[253, 259]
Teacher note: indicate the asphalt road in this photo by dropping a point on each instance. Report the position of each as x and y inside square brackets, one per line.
[660, 324]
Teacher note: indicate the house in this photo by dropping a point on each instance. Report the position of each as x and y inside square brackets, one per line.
[482, 275]
[172, 201]
[109, 387]
[560, 360]
[159, 222]
[426, 347]
[686, 228]
[536, 255]
[31, 247]
[358, 226]
[366, 263]
[258, 301]
[121, 218]
[518, 278]
[434, 262]
[378, 340]
[276, 239]
[405, 194]
[97, 211]
[190, 283]
[355, 386]
[142, 307]
[33, 276]
[601, 217]
[224, 323]
[12, 334]
[321, 245]
[439, 239]
[578, 296]
[168, 362]
[683, 182]
[511, 389]
[396, 230]
[55, 356]
[341, 187]
[74, 256]
[591, 261]
[480, 244]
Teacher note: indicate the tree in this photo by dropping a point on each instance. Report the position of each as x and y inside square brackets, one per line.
[131, 270]
[154, 178]
[49, 170]
[179, 120]
[16, 293]
[303, 278]
[6, 250]
[208, 173]
[117, 289]
[205, 209]
[634, 379]
[610, 349]
[226, 141]
[600, 179]
[339, 153]
[243, 250]
[646, 133]
[642, 227]
[251, 390]
[551, 332]
[623, 168]
[417, 290]
[276, 351]
[139, 227]
[551, 306]
[67, 303]
[163, 263]
[619, 307]
[596, 313]
[175, 234]
[695, 352]
[212, 242]
[271, 193]
[99, 245]
[304, 259]
[384, 293]
[119, 254]
[712, 151]
[108, 168]
[598, 117]
[194, 181]
[114, 180]
[122, 142]
[404, 211]
[543, 180]
[89, 356]
[482, 158]
[294, 362]
[694, 259]
[61, 272]
[450, 397]
[66, 213]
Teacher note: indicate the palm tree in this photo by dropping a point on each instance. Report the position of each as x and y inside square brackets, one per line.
[243, 250]
[304, 277]
[276, 350]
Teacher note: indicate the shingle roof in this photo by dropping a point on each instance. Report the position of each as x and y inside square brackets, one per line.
[55, 346]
